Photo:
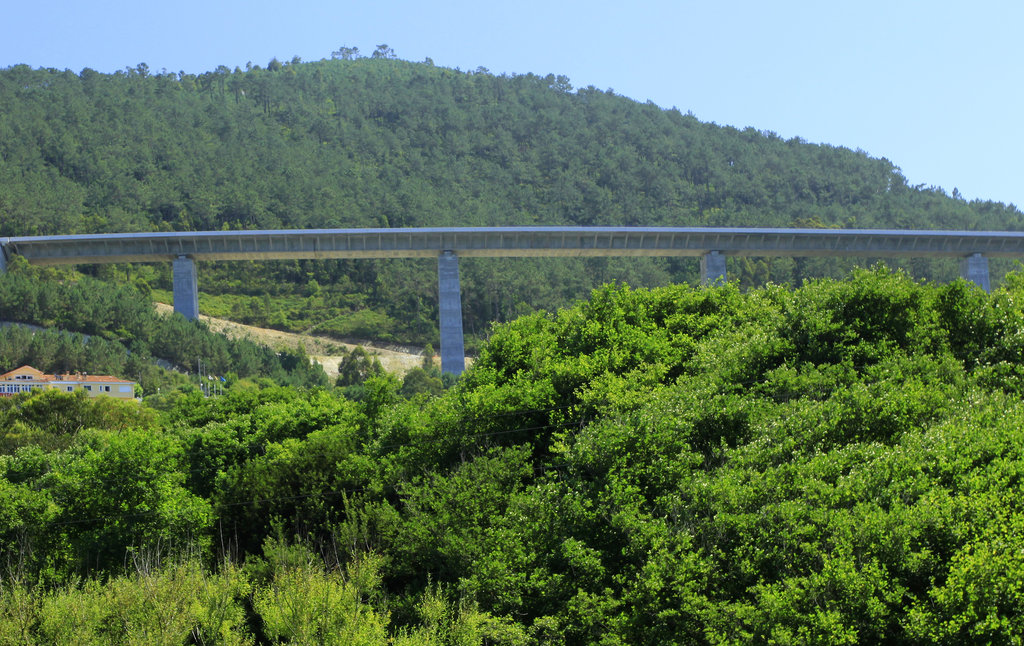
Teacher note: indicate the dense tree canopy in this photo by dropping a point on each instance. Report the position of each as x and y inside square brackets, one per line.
[832, 464]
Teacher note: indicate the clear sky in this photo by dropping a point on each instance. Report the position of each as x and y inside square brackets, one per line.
[935, 86]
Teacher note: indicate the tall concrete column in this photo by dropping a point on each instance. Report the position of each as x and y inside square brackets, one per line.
[975, 269]
[712, 268]
[453, 354]
[186, 290]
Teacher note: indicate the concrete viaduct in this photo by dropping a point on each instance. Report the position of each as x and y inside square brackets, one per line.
[711, 245]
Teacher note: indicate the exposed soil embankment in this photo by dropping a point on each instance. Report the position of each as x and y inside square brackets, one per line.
[326, 351]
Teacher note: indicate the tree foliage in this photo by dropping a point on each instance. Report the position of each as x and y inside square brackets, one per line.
[826, 464]
[105, 328]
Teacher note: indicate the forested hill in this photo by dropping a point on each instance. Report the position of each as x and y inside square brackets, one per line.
[375, 142]
[378, 142]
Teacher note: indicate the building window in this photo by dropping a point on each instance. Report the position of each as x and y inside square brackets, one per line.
[88, 388]
[70, 388]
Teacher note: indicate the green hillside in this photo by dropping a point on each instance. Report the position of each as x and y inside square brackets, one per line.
[835, 464]
[389, 143]
[106, 328]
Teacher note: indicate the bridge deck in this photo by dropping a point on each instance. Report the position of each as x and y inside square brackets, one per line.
[448, 245]
[508, 242]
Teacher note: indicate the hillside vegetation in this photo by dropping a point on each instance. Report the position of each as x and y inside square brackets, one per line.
[839, 463]
[108, 328]
[379, 142]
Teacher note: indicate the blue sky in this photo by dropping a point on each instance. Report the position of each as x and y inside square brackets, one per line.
[936, 87]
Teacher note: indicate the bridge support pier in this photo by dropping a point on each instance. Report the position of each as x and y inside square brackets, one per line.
[186, 290]
[975, 269]
[712, 268]
[453, 354]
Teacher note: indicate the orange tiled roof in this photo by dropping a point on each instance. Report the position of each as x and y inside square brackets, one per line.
[38, 375]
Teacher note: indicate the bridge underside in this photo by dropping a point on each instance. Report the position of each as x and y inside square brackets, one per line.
[711, 245]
